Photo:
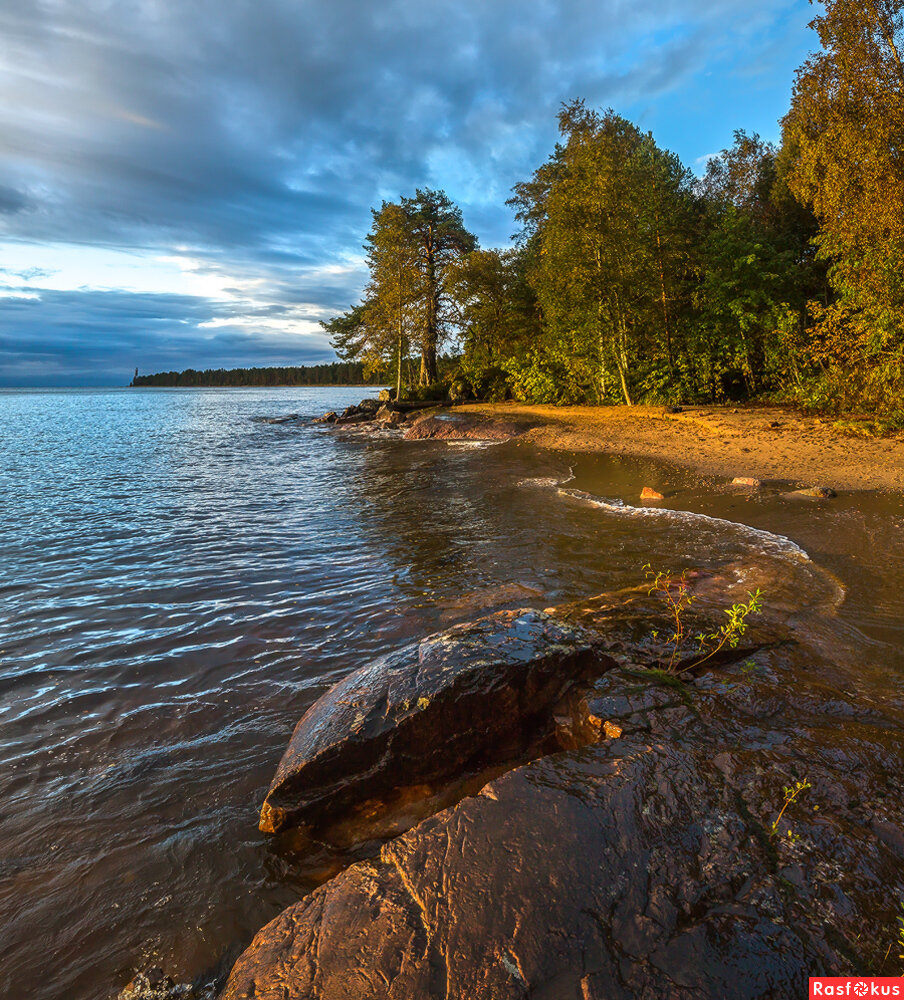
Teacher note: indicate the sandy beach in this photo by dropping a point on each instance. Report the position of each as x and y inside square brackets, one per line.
[768, 443]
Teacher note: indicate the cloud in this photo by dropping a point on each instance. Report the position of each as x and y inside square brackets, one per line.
[252, 139]
[92, 337]
[11, 200]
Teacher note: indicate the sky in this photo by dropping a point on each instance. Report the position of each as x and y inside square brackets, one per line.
[188, 183]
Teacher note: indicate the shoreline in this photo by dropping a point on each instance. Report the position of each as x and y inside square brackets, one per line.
[766, 443]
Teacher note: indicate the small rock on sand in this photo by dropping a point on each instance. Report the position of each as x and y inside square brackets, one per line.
[819, 492]
[746, 481]
[647, 493]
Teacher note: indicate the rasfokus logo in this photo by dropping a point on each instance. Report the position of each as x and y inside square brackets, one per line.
[867, 986]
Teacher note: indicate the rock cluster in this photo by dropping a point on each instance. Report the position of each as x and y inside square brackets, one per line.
[357, 413]
[645, 858]
[422, 420]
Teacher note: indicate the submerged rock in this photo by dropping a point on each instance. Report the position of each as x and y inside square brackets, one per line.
[154, 984]
[465, 698]
[285, 419]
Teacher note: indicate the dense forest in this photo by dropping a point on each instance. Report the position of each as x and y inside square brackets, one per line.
[336, 373]
[779, 274]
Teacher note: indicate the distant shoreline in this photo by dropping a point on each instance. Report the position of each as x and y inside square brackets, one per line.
[328, 374]
[280, 385]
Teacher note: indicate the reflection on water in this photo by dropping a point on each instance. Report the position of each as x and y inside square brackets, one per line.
[180, 581]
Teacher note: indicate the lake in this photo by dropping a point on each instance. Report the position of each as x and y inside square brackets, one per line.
[180, 580]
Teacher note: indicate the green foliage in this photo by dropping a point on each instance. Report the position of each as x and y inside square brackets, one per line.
[871, 428]
[843, 132]
[606, 219]
[729, 634]
[758, 273]
[547, 376]
[497, 319]
[791, 793]
[901, 933]
[347, 333]
[412, 249]
[435, 390]
[675, 593]
[779, 274]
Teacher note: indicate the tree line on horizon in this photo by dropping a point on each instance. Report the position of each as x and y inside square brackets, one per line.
[778, 274]
[332, 373]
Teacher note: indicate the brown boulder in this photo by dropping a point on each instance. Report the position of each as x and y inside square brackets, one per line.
[462, 427]
[465, 698]
[390, 416]
[645, 866]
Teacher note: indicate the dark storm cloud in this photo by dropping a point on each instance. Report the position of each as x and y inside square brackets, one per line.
[257, 135]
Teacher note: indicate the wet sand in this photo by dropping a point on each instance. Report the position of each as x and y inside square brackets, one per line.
[768, 443]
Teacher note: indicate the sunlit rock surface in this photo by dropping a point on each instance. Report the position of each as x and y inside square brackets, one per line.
[647, 860]
[463, 427]
[463, 699]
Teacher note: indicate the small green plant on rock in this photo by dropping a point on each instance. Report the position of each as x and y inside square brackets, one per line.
[790, 793]
[675, 592]
[901, 934]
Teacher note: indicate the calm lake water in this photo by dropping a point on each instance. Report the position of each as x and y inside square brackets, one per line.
[181, 580]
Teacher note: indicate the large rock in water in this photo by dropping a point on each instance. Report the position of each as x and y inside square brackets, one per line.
[643, 867]
[468, 697]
